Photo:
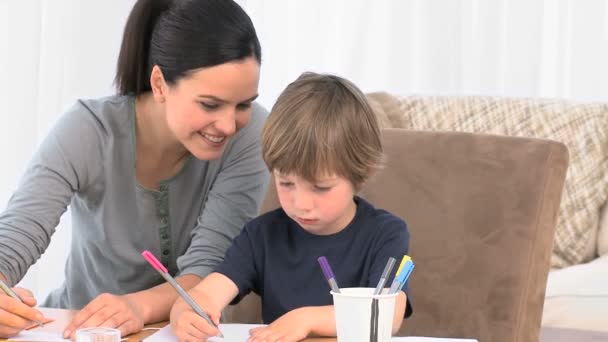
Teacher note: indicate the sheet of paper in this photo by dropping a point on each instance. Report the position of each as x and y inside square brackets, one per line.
[38, 336]
[240, 332]
[429, 339]
[45, 320]
[232, 332]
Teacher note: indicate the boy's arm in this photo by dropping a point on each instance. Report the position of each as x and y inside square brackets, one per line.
[212, 294]
[298, 324]
[313, 321]
[216, 289]
[400, 305]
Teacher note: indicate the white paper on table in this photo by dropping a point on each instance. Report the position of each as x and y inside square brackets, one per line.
[39, 336]
[232, 332]
[240, 332]
[429, 339]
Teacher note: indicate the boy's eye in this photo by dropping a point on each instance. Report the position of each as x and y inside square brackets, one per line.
[322, 188]
[209, 106]
[285, 184]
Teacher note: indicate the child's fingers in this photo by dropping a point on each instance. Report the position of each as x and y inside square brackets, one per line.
[202, 325]
[192, 327]
[215, 317]
[255, 330]
[193, 333]
[276, 336]
[260, 335]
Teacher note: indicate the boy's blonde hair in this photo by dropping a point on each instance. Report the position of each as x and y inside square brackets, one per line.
[322, 125]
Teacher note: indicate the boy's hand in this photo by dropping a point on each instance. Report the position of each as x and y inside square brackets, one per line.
[189, 326]
[291, 327]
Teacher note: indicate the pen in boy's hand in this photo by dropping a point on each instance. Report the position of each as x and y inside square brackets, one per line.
[329, 275]
[180, 290]
[12, 293]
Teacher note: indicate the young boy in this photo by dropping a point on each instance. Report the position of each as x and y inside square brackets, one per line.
[321, 141]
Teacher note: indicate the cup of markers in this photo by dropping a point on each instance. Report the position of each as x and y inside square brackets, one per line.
[355, 317]
[366, 314]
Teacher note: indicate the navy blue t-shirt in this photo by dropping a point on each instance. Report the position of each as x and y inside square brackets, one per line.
[277, 259]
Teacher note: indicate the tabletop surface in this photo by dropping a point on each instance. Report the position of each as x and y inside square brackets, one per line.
[62, 317]
[548, 334]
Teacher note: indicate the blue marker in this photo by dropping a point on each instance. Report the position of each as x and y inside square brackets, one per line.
[395, 283]
[401, 278]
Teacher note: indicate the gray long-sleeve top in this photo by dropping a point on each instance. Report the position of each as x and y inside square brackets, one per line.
[88, 162]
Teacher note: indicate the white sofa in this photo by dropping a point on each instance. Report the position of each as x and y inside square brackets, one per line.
[577, 296]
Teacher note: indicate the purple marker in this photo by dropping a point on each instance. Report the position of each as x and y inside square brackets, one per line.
[329, 275]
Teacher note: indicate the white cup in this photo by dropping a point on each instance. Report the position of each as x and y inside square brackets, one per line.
[97, 335]
[353, 307]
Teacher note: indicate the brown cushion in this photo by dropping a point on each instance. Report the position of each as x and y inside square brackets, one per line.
[582, 127]
[481, 211]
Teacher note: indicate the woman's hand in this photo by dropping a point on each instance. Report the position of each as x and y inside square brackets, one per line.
[188, 326]
[108, 311]
[16, 316]
[290, 327]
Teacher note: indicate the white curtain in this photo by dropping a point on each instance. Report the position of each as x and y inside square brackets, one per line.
[53, 52]
[532, 48]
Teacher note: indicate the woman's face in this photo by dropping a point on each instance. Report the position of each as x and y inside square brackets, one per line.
[208, 106]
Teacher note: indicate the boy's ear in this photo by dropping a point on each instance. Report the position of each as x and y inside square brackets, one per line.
[359, 187]
[371, 175]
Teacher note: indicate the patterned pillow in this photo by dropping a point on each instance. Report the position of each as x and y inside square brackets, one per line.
[580, 126]
[602, 238]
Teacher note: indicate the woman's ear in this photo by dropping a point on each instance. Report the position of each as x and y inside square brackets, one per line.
[158, 84]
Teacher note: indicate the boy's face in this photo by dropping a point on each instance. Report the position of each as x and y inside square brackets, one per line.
[324, 207]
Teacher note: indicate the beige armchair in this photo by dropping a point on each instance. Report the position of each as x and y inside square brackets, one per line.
[481, 211]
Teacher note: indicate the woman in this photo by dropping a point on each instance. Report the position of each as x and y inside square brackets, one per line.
[171, 164]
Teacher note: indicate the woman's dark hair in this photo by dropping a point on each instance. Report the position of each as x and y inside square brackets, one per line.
[180, 36]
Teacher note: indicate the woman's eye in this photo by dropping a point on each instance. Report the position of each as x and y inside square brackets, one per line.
[243, 106]
[209, 106]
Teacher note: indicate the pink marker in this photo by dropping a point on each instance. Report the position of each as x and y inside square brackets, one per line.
[180, 290]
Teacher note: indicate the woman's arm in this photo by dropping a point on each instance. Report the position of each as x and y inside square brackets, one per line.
[155, 303]
[235, 198]
[59, 168]
[129, 313]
